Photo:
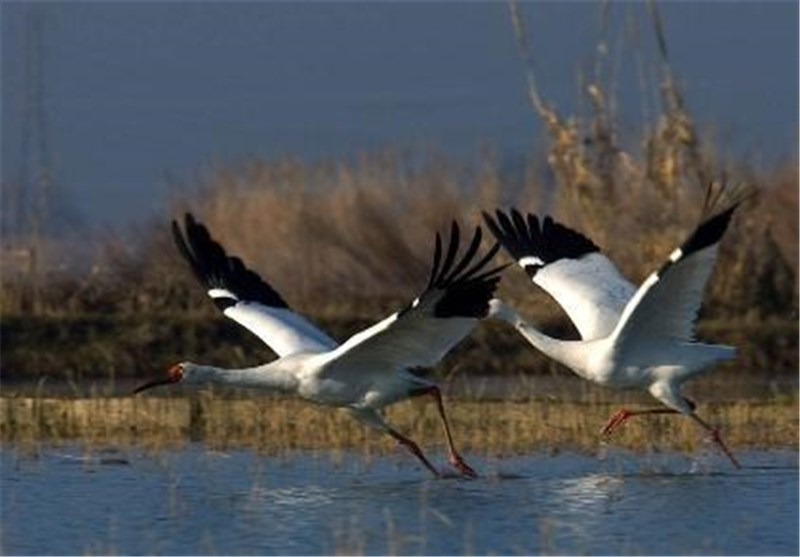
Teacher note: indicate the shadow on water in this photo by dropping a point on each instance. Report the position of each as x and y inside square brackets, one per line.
[238, 502]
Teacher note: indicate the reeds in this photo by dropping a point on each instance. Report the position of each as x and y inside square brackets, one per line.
[275, 425]
[353, 237]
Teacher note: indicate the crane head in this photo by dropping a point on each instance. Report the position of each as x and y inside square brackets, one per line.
[174, 375]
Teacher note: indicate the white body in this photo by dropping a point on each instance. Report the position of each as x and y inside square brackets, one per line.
[364, 374]
[371, 369]
[631, 337]
[659, 366]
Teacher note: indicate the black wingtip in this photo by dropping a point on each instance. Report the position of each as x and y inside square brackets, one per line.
[722, 196]
[546, 239]
[181, 242]
[721, 202]
[214, 268]
[467, 284]
[709, 232]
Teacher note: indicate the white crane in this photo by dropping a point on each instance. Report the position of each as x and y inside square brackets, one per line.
[373, 368]
[630, 337]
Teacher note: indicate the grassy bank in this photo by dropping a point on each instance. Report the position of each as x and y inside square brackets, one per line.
[273, 425]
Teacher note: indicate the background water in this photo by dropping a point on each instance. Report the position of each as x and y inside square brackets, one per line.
[193, 501]
[138, 95]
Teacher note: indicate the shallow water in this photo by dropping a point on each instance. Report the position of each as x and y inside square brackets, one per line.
[194, 501]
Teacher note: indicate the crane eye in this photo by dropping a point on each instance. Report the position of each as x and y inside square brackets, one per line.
[175, 373]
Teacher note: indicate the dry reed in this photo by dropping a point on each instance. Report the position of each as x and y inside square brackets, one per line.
[274, 425]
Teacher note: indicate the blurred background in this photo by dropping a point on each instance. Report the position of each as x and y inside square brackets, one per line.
[326, 142]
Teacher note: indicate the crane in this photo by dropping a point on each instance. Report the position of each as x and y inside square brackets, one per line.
[641, 338]
[375, 367]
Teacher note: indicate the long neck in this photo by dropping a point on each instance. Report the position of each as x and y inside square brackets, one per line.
[567, 352]
[562, 351]
[267, 377]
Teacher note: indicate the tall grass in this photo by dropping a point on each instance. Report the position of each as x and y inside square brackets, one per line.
[356, 237]
[276, 425]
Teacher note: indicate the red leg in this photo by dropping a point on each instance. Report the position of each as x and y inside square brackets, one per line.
[455, 459]
[414, 448]
[620, 416]
[616, 419]
[715, 436]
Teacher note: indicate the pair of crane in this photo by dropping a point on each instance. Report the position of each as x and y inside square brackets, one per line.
[630, 337]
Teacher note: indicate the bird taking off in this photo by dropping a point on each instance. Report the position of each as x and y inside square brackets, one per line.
[630, 337]
[370, 370]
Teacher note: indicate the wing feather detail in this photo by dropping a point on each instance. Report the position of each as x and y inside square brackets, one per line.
[568, 266]
[456, 297]
[667, 303]
[243, 296]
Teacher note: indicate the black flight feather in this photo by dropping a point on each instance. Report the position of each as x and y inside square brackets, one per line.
[214, 268]
[546, 240]
[467, 285]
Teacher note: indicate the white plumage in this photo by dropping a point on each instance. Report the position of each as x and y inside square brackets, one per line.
[370, 370]
[630, 337]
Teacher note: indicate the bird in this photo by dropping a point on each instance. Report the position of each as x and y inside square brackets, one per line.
[375, 367]
[638, 338]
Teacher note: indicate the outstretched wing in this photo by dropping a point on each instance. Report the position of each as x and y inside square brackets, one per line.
[667, 302]
[456, 297]
[243, 296]
[568, 266]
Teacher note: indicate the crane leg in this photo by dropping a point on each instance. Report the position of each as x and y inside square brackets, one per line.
[414, 448]
[371, 418]
[620, 416]
[456, 460]
[715, 436]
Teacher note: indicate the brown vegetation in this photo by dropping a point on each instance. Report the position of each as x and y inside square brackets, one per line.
[275, 425]
[353, 249]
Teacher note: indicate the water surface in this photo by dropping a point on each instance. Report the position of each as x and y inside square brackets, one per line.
[196, 501]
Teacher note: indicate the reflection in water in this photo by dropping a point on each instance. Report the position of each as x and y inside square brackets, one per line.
[590, 494]
[287, 514]
[191, 501]
[581, 507]
[289, 498]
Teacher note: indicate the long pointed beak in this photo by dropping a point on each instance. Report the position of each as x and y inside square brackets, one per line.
[153, 383]
[174, 374]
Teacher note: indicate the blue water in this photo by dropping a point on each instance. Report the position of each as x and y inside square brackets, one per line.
[193, 501]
